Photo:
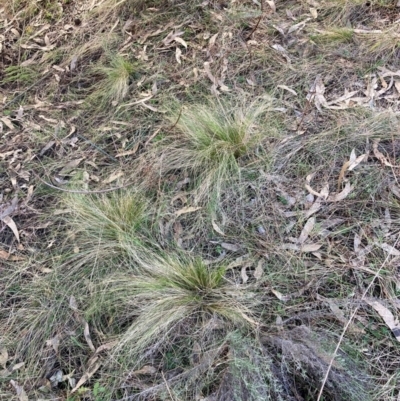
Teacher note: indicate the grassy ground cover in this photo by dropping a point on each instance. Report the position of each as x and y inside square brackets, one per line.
[199, 200]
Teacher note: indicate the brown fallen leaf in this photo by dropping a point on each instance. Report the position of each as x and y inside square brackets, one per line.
[54, 343]
[17, 366]
[258, 272]
[240, 261]
[146, 370]
[395, 190]
[272, 5]
[11, 224]
[308, 227]
[389, 249]
[216, 228]
[8, 123]
[187, 209]
[230, 247]
[129, 152]
[380, 156]
[341, 195]
[387, 317]
[350, 165]
[178, 54]
[181, 41]
[106, 346]
[92, 369]
[86, 333]
[70, 166]
[280, 296]
[73, 304]
[3, 357]
[114, 176]
[244, 275]
[8, 256]
[310, 247]
[20, 391]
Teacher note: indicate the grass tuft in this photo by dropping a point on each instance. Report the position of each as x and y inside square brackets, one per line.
[109, 226]
[115, 84]
[213, 141]
[166, 291]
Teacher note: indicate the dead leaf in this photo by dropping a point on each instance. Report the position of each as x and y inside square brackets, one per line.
[171, 37]
[244, 275]
[310, 247]
[308, 227]
[314, 208]
[106, 346]
[17, 366]
[48, 146]
[73, 304]
[54, 342]
[3, 357]
[178, 54]
[272, 5]
[20, 391]
[258, 272]
[240, 261]
[314, 12]
[279, 295]
[8, 123]
[216, 228]
[341, 195]
[187, 209]
[93, 368]
[396, 190]
[11, 224]
[146, 370]
[283, 52]
[8, 256]
[70, 166]
[288, 89]
[387, 317]
[129, 152]
[86, 333]
[380, 156]
[181, 41]
[209, 74]
[389, 249]
[212, 40]
[114, 176]
[230, 247]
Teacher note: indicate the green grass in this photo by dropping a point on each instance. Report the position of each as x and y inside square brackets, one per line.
[213, 141]
[19, 75]
[115, 84]
[199, 281]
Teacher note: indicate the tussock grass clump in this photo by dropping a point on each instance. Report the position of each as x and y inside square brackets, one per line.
[114, 85]
[108, 226]
[334, 36]
[19, 75]
[214, 139]
[169, 290]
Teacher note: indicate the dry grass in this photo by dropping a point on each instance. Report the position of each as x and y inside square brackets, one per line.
[214, 141]
[229, 267]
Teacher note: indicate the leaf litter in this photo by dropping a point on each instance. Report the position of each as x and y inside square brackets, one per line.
[318, 219]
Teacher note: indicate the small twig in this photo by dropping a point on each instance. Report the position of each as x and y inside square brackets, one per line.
[258, 22]
[177, 120]
[252, 32]
[168, 389]
[84, 192]
[349, 322]
[305, 110]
